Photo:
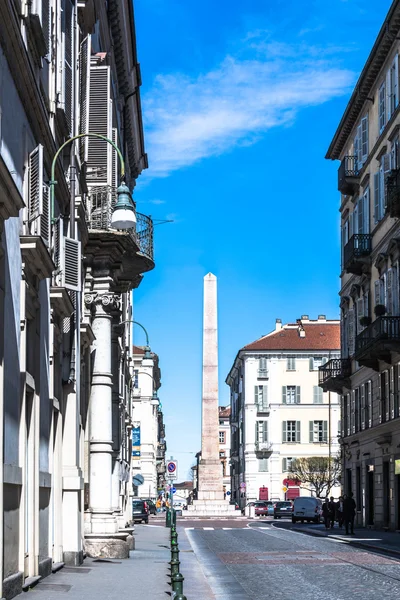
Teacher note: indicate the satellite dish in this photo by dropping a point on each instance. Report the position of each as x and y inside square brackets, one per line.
[138, 479]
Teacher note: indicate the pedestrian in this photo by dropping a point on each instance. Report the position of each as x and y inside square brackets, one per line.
[339, 512]
[349, 512]
[325, 513]
[332, 511]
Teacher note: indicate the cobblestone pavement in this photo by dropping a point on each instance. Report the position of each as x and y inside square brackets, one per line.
[267, 562]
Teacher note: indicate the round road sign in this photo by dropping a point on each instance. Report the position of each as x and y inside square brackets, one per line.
[228, 493]
[171, 467]
[243, 485]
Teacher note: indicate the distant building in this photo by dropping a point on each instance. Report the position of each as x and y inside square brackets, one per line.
[148, 434]
[224, 413]
[278, 410]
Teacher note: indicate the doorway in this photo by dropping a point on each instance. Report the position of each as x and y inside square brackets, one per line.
[370, 495]
[386, 495]
[29, 484]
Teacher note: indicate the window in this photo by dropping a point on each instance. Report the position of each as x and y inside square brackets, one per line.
[261, 397]
[396, 390]
[262, 431]
[262, 367]
[317, 395]
[291, 431]
[384, 396]
[380, 188]
[318, 432]
[361, 213]
[361, 142]
[316, 362]
[222, 437]
[290, 394]
[287, 463]
[136, 378]
[382, 107]
[357, 425]
[290, 363]
[368, 404]
[262, 465]
[393, 86]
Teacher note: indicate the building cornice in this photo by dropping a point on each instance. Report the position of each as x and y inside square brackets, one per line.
[380, 50]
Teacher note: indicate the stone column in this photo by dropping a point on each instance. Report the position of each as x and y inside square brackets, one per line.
[210, 470]
[100, 415]
[116, 422]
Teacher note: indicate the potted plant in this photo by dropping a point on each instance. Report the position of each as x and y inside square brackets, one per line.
[380, 310]
[365, 321]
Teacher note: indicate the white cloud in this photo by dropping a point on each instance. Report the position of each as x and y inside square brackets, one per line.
[156, 201]
[191, 118]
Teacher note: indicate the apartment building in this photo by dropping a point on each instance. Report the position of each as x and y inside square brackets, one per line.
[367, 374]
[224, 414]
[148, 433]
[278, 410]
[66, 275]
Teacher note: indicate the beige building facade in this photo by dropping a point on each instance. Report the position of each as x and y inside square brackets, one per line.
[278, 410]
[367, 375]
[224, 433]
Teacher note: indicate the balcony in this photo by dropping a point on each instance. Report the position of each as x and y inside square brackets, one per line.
[377, 342]
[393, 193]
[263, 449]
[262, 374]
[335, 375]
[348, 176]
[356, 253]
[139, 256]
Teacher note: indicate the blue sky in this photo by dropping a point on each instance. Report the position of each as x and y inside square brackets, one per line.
[240, 102]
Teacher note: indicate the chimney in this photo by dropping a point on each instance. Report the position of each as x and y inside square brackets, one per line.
[304, 317]
[278, 324]
[322, 318]
[300, 328]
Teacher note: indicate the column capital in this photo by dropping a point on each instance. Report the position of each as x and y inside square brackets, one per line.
[107, 302]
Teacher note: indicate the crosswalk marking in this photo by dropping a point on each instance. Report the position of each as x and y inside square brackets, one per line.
[227, 528]
[208, 528]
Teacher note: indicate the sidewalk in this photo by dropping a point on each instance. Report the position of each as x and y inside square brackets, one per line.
[384, 541]
[144, 576]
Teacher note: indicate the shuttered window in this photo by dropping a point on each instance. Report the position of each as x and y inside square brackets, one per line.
[393, 85]
[318, 431]
[262, 431]
[99, 163]
[351, 333]
[382, 107]
[263, 465]
[84, 95]
[317, 395]
[67, 34]
[291, 363]
[287, 463]
[290, 394]
[291, 431]
[261, 397]
[45, 20]
[364, 139]
[38, 197]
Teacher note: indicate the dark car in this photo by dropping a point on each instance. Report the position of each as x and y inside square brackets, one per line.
[140, 511]
[151, 505]
[282, 509]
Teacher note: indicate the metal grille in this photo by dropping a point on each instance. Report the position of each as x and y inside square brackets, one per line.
[145, 234]
[358, 245]
[348, 169]
[382, 329]
[336, 367]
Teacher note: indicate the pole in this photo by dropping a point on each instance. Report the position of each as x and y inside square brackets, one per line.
[329, 443]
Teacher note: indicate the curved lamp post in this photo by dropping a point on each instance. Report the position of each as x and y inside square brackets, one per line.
[123, 215]
[147, 350]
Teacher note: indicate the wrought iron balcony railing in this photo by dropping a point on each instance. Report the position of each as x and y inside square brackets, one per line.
[377, 341]
[393, 193]
[99, 206]
[263, 447]
[334, 374]
[356, 251]
[348, 175]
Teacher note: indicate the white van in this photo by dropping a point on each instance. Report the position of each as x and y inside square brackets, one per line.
[307, 509]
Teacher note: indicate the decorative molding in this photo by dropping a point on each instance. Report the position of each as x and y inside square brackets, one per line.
[60, 302]
[36, 256]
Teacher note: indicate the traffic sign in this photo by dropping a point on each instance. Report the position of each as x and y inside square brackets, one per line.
[284, 488]
[138, 479]
[228, 493]
[173, 490]
[172, 469]
[243, 485]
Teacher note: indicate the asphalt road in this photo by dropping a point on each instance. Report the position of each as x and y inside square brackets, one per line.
[265, 560]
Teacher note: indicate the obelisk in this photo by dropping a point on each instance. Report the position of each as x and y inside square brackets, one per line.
[210, 470]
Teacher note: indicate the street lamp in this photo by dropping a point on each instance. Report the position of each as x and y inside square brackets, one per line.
[147, 349]
[123, 215]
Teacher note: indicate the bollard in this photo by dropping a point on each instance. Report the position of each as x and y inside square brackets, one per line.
[174, 561]
[173, 517]
[177, 586]
[174, 535]
[168, 518]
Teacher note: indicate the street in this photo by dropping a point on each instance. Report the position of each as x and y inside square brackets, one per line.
[268, 560]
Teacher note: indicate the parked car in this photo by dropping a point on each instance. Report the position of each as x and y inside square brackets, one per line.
[283, 508]
[306, 509]
[140, 511]
[263, 508]
[151, 505]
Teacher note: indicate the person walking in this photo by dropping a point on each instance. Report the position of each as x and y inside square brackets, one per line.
[339, 512]
[349, 513]
[332, 511]
[325, 513]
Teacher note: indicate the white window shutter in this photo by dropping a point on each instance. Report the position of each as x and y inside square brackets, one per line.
[377, 290]
[324, 431]
[35, 184]
[364, 138]
[67, 29]
[284, 431]
[58, 249]
[297, 431]
[84, 91]
[71, 268]
[297, 394]
[284, 465]
[265, 396]
[311, 431]
[351, 331]
[365, 211]
[114, 169]
[45, 215]
[381, 109]
[311, 363]
[45, 19]
[389, 292]
[256, 395]
[388, 96]
[99, 154]
[377, 202]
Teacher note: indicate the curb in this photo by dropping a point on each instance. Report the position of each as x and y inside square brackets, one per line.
[358, 544]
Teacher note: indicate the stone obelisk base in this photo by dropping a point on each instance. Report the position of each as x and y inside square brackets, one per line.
[210, 497]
